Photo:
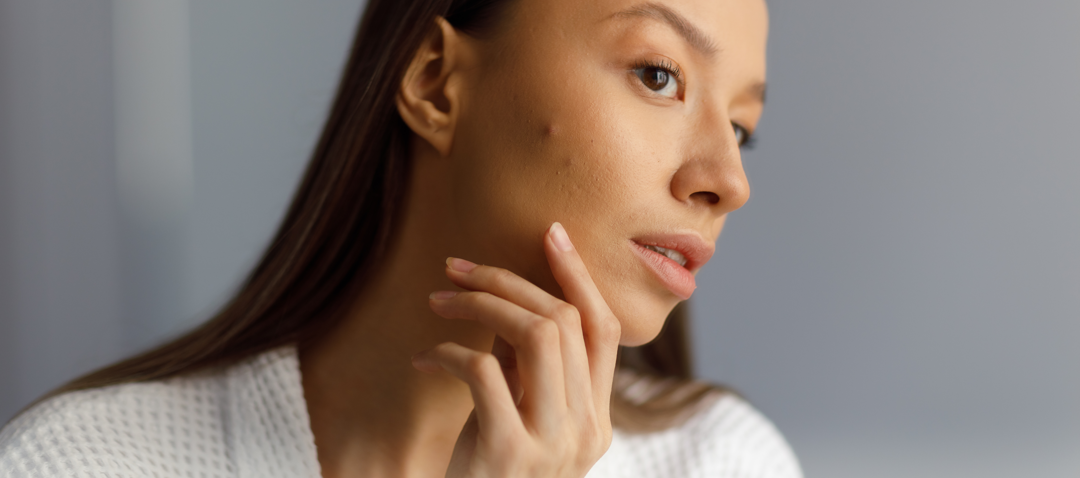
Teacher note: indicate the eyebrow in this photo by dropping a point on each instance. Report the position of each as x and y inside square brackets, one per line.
[692, 34]
[758, 91]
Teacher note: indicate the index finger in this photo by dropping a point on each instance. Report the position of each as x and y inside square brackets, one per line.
[599, 325]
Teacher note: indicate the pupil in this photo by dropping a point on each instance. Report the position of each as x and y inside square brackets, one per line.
[656, 79]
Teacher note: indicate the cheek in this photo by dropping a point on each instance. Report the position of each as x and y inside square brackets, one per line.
[607, 186]
[537, 150]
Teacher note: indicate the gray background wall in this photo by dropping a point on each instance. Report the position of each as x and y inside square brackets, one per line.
[901, 295]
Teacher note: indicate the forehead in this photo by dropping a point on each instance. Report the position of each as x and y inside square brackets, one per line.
[720, 18]
[737, 29]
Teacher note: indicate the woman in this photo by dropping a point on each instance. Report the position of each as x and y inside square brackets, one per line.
[586, 152]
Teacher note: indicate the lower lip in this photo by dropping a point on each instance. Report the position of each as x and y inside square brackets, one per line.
[676, 278]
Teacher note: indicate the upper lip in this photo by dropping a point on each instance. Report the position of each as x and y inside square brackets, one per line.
[696, 250]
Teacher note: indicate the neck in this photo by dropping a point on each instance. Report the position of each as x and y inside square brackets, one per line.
[372, 414]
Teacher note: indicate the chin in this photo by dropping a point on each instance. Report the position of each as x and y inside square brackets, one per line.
[642, 320]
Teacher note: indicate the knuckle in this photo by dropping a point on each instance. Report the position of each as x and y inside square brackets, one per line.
[567, 313]
[520, 450]
[609, 329]
[499, 275]
[596, 436]
[542, 332]
[514, 454]
[481, 365]
[474, 299]
[603, 441]
[593, 447]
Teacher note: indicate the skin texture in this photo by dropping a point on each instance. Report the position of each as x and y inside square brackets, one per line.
[545, 120]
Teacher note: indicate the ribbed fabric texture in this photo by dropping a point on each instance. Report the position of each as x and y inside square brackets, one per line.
[250, 420]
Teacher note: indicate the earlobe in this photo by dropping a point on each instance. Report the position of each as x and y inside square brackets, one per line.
[428, 98]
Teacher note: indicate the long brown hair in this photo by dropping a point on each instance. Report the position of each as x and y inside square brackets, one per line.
[345, 214]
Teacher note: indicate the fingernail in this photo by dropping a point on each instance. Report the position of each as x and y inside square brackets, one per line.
[460, 265]
[559, 237]
[422, 363]
[442, 295]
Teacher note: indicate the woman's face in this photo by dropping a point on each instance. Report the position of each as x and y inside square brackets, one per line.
[620, 119]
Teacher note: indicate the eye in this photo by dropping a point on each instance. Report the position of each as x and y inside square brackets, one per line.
[743, 137]
[661, 78]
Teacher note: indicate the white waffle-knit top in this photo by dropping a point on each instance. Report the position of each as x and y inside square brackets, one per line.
[250, 420]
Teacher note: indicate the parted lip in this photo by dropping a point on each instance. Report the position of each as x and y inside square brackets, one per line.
[696, 250]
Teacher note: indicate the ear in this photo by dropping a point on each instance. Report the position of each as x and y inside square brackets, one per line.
[428, 99]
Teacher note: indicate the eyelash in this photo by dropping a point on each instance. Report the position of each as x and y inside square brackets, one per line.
[749, 140]
[665, 65]
[662, 65]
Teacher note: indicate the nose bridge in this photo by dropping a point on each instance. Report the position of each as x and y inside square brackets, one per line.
[712, 174]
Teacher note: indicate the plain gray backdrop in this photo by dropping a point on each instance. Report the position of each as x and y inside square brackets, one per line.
[901, 294]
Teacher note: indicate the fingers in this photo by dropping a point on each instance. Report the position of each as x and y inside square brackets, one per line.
[601, 328]
[494, 407]
[536, 341]
[502, 283]
[586, 332]
[514, 288]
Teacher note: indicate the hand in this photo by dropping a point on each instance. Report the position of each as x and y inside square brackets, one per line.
[560, 353]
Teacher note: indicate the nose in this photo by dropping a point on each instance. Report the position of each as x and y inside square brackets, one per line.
[712, 176]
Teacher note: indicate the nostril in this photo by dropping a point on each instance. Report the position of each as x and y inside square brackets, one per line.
[709, 198]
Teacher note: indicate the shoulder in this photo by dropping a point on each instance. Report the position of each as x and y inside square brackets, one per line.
[247, 419]
[725, 437]
[733, 435]
[137, 429]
